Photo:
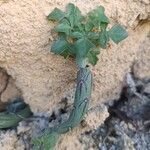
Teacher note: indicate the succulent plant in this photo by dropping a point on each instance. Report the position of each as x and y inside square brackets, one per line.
[80, 37]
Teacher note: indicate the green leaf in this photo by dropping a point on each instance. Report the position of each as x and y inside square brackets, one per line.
[97, 16]
[103, 39]
[93, 18]
[103, 25]
[59, 46]
[93, 35]
[63, 47]
[74, 14]
[83, 46]
[88, 26]
[101, 14]
[81, 27]
[76, 35]
[63, 27]
[92, 57]
[70, 51]
[56, 15]
[117, 33]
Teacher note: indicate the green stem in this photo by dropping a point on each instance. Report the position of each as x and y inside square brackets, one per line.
[80, 106]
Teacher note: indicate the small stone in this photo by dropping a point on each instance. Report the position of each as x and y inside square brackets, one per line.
[96, 116]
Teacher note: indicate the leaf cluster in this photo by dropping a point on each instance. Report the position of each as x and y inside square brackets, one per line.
[81, 36]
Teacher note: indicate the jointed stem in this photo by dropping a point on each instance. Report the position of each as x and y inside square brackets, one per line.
[81, 101]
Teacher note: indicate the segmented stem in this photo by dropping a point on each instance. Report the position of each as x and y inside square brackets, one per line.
[80, 106]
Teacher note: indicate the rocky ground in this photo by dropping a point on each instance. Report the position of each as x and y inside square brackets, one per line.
[128, 124]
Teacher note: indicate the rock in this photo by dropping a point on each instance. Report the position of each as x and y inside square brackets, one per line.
[142, 64]
[146, 1]
[9, 141]
[3, 80]
[11, 92]
[8, 89]
[127, 143]
[96, 116]
[147, 88]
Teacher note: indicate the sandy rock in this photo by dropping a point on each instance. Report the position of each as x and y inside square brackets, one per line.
[3, 80]
[96, 116]
[11, 92]
[9, 141]
[8, 89]
[145, 1]
[142, 64]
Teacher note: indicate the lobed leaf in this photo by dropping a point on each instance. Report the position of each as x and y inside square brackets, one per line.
[59, 46]
[56, 15]
[103, 25]
[93, 35]
[76, 34]
[63, 27]
[73, 14]
[83, 46]
[103, 39]
[117, 33]
[92, 57]
[81, 27]
[101, 14]
[98, 16]
[89, 26]
[79, 35]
